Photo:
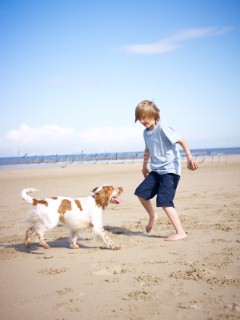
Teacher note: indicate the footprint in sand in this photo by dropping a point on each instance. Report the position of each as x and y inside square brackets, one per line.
[189, 305]
[52, 271]
[138, 295]
[64, 291]
[7, 253]
[147, 280]
[109, 271]
[71, 305]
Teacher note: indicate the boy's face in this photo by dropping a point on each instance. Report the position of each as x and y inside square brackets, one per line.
[148, 123]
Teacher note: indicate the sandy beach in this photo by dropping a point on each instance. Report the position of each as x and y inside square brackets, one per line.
[149, 278]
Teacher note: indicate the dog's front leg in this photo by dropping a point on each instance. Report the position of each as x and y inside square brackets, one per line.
[106, 239]
[73, 241]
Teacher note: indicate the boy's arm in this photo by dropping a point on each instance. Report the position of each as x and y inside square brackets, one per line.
[190, 160]
[146, 157]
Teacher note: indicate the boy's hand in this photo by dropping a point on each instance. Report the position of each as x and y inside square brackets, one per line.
[145, 171]
[192, 165]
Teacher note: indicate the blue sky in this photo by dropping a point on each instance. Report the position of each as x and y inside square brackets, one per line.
[72, 73]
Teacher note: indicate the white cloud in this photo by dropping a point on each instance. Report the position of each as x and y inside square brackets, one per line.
[53, 139]
[172, 43]
[27, 135]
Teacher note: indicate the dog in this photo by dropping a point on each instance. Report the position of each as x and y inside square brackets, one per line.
[74, 214]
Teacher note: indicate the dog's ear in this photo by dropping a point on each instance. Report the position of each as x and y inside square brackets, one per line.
[102, 195]
[120, 189]
[95, 189]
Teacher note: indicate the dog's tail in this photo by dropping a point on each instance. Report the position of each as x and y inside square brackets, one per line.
[25, 195]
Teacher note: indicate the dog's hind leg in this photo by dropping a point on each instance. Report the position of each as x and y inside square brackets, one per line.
[42, 242]
[28, 234]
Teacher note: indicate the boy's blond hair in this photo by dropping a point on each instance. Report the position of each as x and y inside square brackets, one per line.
[147, 109]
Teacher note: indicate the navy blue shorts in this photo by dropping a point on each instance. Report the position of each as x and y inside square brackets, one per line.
[164, 186]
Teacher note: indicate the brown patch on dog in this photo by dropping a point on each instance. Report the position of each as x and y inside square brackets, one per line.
[64, 206]
[35, 202]
[54, 198]
[78, 203]
[62, 218]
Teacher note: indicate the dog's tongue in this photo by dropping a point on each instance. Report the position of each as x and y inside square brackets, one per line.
[116, 200]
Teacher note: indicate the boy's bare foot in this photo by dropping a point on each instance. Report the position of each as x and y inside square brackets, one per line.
[151, 222]
[178, 236]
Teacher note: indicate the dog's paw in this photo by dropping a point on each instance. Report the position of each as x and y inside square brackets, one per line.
[74, 246]
[44, 245]
[115, 247]
[27, 244]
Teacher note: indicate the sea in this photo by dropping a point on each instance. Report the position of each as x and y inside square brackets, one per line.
[115, 157]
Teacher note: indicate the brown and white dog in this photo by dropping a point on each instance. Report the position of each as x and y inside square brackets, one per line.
[75, 214]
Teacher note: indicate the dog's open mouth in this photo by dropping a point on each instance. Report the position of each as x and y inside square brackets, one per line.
[116, 200]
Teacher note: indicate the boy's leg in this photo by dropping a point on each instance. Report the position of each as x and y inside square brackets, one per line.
[152, 215]
[173, 216]
[147, 190]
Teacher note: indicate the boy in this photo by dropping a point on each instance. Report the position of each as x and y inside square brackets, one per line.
[161, 146]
